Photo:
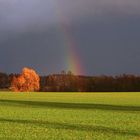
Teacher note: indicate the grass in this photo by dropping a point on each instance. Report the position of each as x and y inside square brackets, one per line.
[69, 116]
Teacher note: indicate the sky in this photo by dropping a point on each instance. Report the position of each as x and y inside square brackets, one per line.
[99, 37]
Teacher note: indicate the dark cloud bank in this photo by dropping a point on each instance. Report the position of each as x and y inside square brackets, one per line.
[107, 34]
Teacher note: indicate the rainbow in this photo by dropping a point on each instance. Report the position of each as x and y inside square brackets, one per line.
[73, 62]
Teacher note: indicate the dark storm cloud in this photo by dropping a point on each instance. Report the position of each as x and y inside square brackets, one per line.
[16, 14]
[106, 32]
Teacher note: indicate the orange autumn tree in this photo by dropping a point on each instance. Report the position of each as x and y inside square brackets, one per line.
[27, 81]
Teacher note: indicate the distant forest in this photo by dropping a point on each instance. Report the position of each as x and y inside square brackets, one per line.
[68, 82]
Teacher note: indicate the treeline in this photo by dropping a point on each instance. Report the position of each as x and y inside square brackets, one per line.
[67, 82]
[4, 81]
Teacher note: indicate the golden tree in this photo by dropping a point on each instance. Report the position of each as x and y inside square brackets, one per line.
[28, 80]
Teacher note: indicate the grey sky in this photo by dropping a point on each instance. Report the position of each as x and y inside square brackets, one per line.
[107, 34]
[26, 13]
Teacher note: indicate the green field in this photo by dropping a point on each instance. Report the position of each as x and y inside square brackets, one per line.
[69, 116]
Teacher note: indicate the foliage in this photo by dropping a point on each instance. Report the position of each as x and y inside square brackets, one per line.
[65, 82]
[4, 81]
[68, 82]
[28, 80]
